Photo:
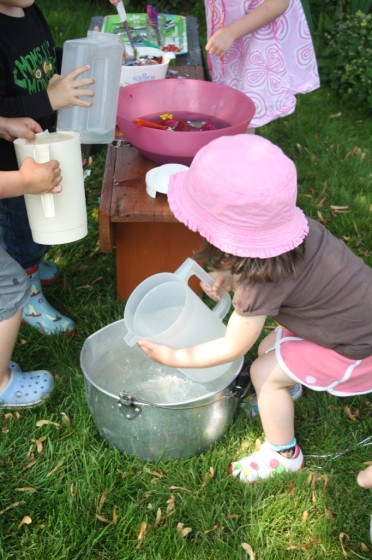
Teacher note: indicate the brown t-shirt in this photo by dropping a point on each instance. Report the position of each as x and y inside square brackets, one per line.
[328, 301]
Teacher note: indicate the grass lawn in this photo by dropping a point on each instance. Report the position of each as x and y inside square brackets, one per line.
[66, 494]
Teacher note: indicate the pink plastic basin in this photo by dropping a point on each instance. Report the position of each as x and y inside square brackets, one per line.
[180, 96]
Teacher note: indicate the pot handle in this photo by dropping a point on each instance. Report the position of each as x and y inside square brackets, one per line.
[192, 268]
[243, 381]
[127, 403]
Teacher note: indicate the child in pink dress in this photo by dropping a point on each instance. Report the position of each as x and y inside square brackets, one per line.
[264, 49]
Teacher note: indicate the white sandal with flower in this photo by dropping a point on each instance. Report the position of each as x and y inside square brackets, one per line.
[265, 463]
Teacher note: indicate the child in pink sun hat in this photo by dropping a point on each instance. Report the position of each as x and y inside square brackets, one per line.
[240, 195]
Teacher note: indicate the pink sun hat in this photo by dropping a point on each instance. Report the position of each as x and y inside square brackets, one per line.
[240, 195]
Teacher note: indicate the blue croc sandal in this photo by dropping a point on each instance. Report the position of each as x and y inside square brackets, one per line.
[48, 272]
[26, 389]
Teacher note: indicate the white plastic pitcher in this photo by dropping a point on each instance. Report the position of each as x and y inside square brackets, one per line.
[62, 217]
[164, 309]
[104, 54]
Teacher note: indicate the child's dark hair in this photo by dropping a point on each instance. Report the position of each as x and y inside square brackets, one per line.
[252, 269]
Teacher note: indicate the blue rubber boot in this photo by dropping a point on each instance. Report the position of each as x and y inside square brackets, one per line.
[38, 313]
[48, 272]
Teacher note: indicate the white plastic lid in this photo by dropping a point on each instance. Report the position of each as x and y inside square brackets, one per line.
[157, 179]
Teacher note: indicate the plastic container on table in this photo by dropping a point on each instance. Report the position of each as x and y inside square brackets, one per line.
[103, 52]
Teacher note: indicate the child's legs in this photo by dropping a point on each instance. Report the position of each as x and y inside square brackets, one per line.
[284, 358]
[275, 403]
[16, 234]
[14, 292]
[8, 335]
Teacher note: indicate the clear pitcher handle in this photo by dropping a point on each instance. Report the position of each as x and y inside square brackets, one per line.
[192, 268]
[41, 155]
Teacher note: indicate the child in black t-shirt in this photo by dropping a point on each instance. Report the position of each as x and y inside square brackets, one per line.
[31, 86]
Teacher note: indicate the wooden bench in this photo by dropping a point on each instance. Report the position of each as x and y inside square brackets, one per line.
[143, 231]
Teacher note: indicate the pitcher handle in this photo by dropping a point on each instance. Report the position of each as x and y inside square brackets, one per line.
[190, 268]
[41, 155]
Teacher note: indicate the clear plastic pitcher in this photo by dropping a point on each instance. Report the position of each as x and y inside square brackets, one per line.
[164, 309]
[62, 217]
[104, 54]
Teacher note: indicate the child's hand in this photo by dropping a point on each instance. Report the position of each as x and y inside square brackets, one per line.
[222, 279]
[158, 352]
[66, 91]
[39, 178]
[22, 127]
[220, 42]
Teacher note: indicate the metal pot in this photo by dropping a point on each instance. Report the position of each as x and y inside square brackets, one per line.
[152, 411]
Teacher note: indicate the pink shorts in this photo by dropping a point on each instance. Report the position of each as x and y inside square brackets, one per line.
[321, 369]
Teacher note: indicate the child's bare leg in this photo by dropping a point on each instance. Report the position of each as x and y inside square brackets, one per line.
[272, 388]
[274, 400]
[250, 403]
[279, 453]
[8, 337]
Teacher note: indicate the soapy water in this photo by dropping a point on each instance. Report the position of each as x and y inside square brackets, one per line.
[187, 121]
[132, 372]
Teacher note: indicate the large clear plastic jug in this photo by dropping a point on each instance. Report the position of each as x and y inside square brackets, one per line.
[164, 309]
[104, 54]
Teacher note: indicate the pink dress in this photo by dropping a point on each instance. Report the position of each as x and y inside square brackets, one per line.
[270, 65]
